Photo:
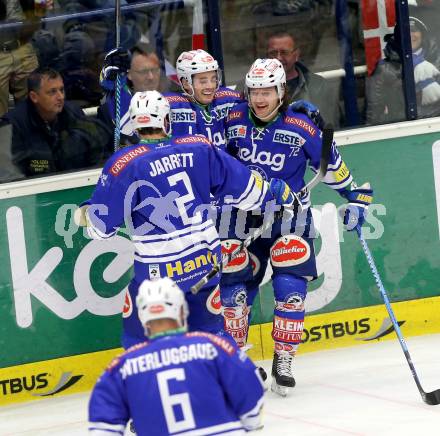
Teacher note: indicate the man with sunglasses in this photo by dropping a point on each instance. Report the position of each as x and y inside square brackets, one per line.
[302, 84]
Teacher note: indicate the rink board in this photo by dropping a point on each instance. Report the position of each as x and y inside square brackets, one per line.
[332, 330]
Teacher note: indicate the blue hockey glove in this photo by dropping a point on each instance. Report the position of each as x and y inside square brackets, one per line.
[355, 212]
[282, 194]
[116, 61]
[309, 109]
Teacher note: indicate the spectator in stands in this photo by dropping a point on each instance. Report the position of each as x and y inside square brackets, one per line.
[50, 134]
[140, 71]
[385, 97]
[17, 56]
[302, 84]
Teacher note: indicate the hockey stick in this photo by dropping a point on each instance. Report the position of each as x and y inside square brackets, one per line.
[327, 141]
[117, 134]
[431, 398]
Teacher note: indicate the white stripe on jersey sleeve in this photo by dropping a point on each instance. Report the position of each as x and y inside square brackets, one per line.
[178, 256]
[253, 198]
[245, 193]
[230, 428]
[252, 419]
[166, 236]
[105, 429]
[176, 244]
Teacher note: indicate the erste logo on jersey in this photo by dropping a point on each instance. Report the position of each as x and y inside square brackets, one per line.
[238, 131]
[287, 137]
[289, 250]
[183, 116]
[126, 158]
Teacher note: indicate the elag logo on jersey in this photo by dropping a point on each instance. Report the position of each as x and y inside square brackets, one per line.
[289, 250]
[237, 132]
[183, 116]
[289, 138]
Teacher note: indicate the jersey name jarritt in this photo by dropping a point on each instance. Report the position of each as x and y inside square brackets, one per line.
[171, 162]
[166, 357]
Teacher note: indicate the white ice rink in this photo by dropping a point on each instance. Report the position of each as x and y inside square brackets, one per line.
[364, 390]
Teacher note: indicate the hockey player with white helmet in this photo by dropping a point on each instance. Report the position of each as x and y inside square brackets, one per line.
[158, 189]
[219, 389]
[274, 139]
[203, 106]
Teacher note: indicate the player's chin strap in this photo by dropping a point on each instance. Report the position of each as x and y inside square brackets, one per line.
[327, 142]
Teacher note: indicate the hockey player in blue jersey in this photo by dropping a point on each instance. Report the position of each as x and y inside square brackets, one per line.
[204, 104]
[161, 187]
[274, 140]
[139, 70]
[176, 383]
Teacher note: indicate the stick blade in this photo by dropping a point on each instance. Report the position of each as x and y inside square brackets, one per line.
[432, 398]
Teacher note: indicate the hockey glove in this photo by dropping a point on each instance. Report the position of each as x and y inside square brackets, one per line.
[282, 194]
[309, 109]
[355, 212]
[116, 61]
[80, 216]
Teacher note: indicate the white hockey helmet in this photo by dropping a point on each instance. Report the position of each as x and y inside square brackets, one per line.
[160, 299]
[195, 62]
[150, 109]
[265, 73]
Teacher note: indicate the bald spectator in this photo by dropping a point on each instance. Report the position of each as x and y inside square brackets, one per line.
[302, 84]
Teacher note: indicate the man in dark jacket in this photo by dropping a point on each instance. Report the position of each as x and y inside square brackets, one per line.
[51, 135]
[302, 84]
[385, 98]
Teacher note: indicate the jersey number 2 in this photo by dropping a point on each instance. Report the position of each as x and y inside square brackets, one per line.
[183, 200]
[170, 401]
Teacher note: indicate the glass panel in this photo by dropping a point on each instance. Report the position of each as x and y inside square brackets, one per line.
[49, 133]
[301, 34]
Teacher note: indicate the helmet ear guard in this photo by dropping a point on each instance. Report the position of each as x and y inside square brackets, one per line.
[161, 299]
[195, 62]
[150, 109]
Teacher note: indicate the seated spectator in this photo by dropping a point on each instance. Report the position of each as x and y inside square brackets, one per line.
[140, 71]
[302, 84]
[385, 97]
[81, 82]
[50, 135]
[17, 55]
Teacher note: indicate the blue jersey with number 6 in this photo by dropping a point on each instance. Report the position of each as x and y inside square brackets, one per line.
[182, 384]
